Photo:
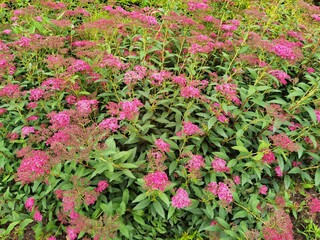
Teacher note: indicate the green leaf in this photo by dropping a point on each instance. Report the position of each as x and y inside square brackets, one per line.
[159, 209]
[128, 173]
[138, 219]
[143, 204]
[240, 214]
[223, 223]
[211, 122]
[287, 181]
[240, 149]
[164, 198]
[317, 177]
[171, 212]
[140, 197]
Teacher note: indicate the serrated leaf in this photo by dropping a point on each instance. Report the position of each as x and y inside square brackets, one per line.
[317, 177]
[164, 198]
[140, 197]
[171, 212]
[223, 223]
[240, 214]
[159, 209]
[143, 204]
[240, 149]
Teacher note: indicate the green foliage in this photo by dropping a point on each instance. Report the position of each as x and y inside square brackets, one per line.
[87, 89]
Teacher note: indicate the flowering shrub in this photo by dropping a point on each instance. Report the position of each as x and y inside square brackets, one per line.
[193, 120]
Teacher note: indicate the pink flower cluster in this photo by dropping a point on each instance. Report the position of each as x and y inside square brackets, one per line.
[219, 165]
[86, 106]
[193, 6]
[229, 91]
[29, 205]
[181, 199]
[282, 140]
[157, 78]
[195, 163]
[316, 17]
[36, 94]
[268, 157]
[112, 61]
[263, 190]
[157, 180]
[102, 185]
[162, 145]
[221, 190]
[278, 171]
[33, 166]
[59, 120]
[27, 130]
[189, 129]
[124, 110]
[110, 124]
[284, 51]
[190, 92]
[314, 205]
[317, 112]
[281, 76]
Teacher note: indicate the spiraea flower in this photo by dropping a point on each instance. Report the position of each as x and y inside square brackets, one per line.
[157, 180]
[29, 204]
[181, 199]
[221, 190]
[162, 145]
[190, 129]
[219, 165]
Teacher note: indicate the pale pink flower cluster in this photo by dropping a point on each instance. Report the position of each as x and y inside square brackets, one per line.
[180, 80]
[181, 199]
[317, 112]
[86, 106]
[110, 123]
[193, 6]
[162, 145]
[52, 83]
[190, 92]
[284, 51]
[219, 165]
[221, 190]
[281, 76]
[314, 205]
[278, 171]
[102, 185]
[229, 91]
[62, 136]
[157, 180]
[268, 157]
[59, 120]
[10, 90]
[33, 166]
[112, 61]
[79, 66]
[27, 130]
[283, 141]
[129, 109]
[189, 129]
[29, 205]
[195, 163]
[36, 94]
[263, 190]
[316, 17]
[159, 77]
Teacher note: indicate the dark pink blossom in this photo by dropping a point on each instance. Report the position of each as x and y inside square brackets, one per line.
[219, 165]
[102, 185]
[29, 204]
[162, 145]
[195, 163]
[37, 216]
[110, 123]
[181, 199]
[157, 180]
[263, 190]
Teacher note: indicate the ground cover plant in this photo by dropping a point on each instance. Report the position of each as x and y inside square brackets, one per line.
[159, 119]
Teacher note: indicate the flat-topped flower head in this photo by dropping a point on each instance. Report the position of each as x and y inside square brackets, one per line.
[157, 180]
[181, 199]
